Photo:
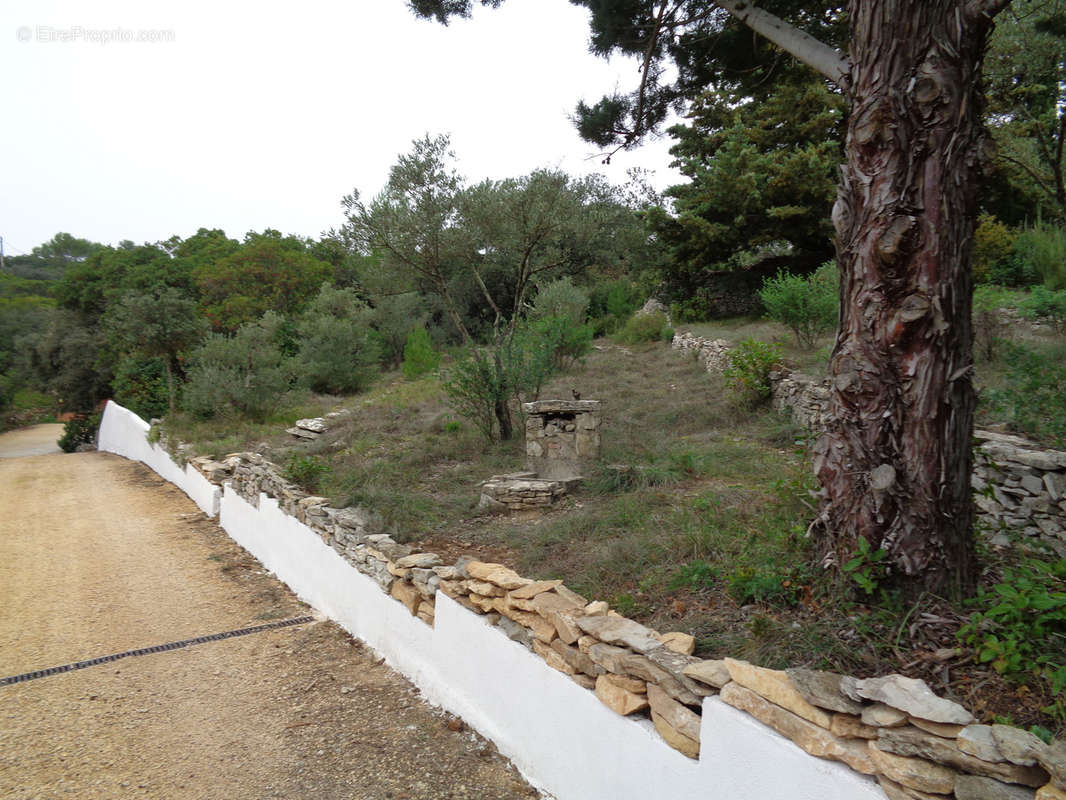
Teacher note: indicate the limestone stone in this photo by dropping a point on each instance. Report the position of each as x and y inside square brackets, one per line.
[810, 737]
[976, 740]
[1053, 759]
[516, 632]
[974, 787]
[408, 595]
[914, 773]
[482, 603]
[913, 742]
[775, 686]
[679, 642]
[396, 571]
[584, 681]
[572, 596]
[419, 560]
[498, 574]
[896, 791]
[543, 630]
[619, 631]
[680, 718]
[484, 588]
[675, 738]
[531, 590]
[936, 728]
[556, 661]
[1050, 792]
[915, 697]
[851, 726]
[597, 608]
[619, 700]
[675, 663]
[635, 685]
[622, 662]
[585, 642]
[884, 716]
[575, 658]
[1018, 746]
[561, 613]
[454, 588]
[822, 689]
[315, 425]
[712, 672]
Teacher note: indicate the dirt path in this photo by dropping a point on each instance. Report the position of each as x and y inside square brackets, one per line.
[98, 555]
[37, 440]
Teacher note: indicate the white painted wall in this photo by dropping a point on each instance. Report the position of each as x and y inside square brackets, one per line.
[559, 735]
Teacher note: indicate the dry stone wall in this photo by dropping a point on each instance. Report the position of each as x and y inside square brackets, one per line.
[1018, 484]
[916, 744]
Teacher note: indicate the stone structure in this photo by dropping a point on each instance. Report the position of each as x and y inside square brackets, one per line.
[915, 743]
[562, 437]
[1018, 484]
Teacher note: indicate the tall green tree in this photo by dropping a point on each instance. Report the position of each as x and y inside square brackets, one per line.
[161, 324]
[1025, 74]
[269, 272]
[895, 463]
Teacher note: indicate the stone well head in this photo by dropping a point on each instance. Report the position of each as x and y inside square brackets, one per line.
[562, 437]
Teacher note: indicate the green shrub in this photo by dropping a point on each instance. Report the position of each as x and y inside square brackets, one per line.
[1039, 255]
[476, 386]
[78, 431]
[244, 374]
[561, 298]
[990, 330]
[611, 303]
[1042, 303]
[993, 247]
[419, 357]
[1020, 626]
[644, 328]
[564, 341]
[1032, 400]
[807, 305]
[140, 384]
[769, 585]
[306, 471]
[338, 349]
[749, 368]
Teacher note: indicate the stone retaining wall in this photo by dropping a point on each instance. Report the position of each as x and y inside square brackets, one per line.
[915, 744]
[1018, 484]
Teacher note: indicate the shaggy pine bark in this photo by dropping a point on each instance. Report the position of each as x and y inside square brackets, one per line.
[895, 465]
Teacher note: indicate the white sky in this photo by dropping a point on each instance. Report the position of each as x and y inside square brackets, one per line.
[265, 114]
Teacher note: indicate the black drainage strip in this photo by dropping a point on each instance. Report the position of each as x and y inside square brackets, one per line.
[144, 651]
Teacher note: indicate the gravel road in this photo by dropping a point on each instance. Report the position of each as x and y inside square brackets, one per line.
[98, 555]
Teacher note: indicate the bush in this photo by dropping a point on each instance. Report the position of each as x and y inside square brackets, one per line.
[564, 341]
[611, 303]
[1042, 303]
[476, 387]
[245, 374]
[808, 306]
[1039, 255]
[1020, 628]
[1033, 401]
[140, 385]
[748, 370]
[990, 330]
[78, 431]
[561, 298]
[993, 247]
[338, 349]
[644, 328]
[306, 471]
[419, 357]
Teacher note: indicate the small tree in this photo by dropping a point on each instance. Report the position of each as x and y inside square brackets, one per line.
[338, 349]
[809, 306]
[419, 357]
[246, 373]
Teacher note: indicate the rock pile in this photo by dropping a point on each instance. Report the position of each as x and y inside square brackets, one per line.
[1017, 483]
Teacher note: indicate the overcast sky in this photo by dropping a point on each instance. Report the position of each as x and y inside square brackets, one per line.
[246, 116]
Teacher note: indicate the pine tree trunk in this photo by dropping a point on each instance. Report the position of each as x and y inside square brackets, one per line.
[895, 465]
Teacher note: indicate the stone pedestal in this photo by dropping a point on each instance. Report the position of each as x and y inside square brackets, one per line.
[562, 437]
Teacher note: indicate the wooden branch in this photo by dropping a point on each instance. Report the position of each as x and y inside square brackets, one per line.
[827, 60]
[1029, 171]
